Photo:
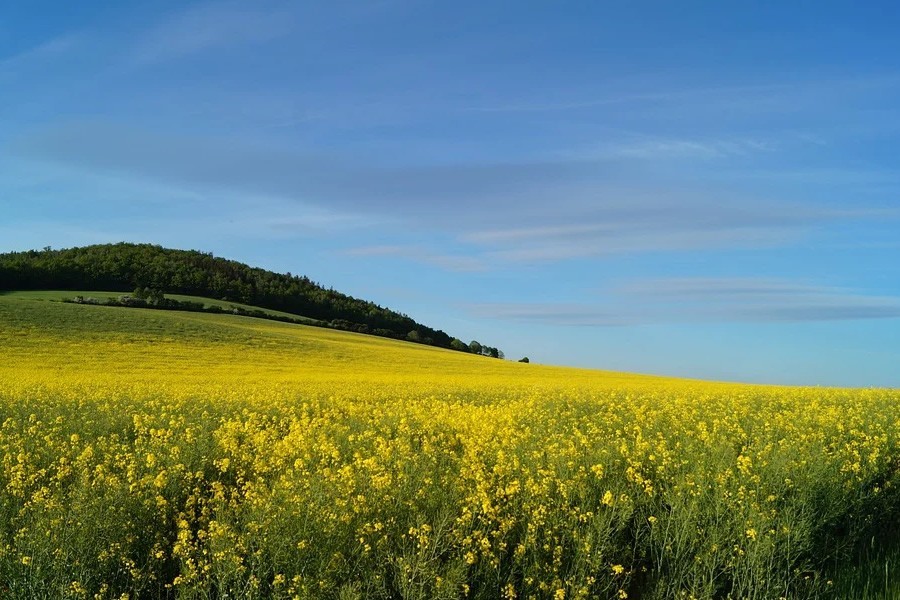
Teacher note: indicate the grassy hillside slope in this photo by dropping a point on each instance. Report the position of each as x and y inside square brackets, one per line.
[126, 267]
[165, 454]
[68, 295]
[40, 335]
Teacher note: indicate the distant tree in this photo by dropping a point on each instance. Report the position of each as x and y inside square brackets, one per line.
[475, 347]
[500, 354]
[140, 293]
[524, 359]
[414, 336]
[492, 352]
[457, 344]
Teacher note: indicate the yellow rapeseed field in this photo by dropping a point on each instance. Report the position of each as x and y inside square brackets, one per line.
[153, 454]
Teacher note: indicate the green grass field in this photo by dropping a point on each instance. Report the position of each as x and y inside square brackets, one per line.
[58, 296]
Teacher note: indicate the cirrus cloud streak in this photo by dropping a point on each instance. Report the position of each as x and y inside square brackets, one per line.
[700, 299]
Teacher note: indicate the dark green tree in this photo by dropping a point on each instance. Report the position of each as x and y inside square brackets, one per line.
[457, 344]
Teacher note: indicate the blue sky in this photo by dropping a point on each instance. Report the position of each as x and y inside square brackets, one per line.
[697, 189]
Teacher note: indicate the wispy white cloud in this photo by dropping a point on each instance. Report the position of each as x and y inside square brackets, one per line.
[551, 314]
[639, 222]
[763, 95]
[639, 242]
[447, 262]
[103, 206]
[211, 25]
[184, 231]
[514, 212]
[703, 299]
[829, 176]
[650, 148]
[760, 299]
[722, 288]
[47, 51]
[624, 96]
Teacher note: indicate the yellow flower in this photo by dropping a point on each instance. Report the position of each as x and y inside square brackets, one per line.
[509, 592]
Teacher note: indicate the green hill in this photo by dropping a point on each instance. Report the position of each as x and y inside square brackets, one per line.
[125, 267]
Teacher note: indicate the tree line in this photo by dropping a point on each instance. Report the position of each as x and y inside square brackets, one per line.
[125, 267]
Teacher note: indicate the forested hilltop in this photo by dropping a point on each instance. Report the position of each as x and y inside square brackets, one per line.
[126, 267]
